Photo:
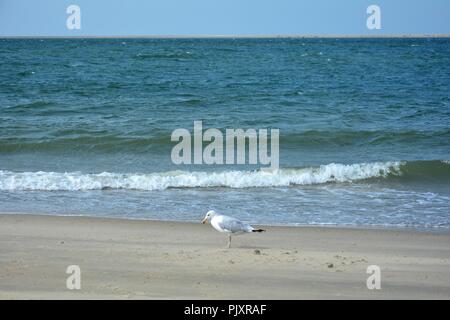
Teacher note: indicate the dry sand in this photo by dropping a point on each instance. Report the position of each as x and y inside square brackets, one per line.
[126, 259]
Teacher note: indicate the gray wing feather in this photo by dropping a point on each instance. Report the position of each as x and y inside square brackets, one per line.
[234, 225]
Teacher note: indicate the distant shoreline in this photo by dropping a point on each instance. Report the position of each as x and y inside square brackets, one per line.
[411, 36]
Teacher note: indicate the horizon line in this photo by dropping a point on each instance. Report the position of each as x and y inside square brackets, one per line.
[225, 36]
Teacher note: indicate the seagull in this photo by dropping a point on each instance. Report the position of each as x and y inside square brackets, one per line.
[227, 224]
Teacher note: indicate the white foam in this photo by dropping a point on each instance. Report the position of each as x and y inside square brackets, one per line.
[198, 179]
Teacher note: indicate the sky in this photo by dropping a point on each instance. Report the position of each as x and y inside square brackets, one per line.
[223, 17]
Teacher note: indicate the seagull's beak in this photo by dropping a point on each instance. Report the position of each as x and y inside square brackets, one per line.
[204, 220]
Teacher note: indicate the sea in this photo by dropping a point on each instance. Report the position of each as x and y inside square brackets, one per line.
[86, 124]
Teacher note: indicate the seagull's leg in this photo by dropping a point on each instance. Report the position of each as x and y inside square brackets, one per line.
[229, 241]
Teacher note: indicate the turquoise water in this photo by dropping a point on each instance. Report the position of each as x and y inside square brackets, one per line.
[85, 128]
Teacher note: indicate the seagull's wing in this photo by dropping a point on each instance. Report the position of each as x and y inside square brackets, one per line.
[233, 225]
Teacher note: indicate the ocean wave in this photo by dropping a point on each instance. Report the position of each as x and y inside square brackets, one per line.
[79, 140]
[72, 181]
[114, 141]
[165, 55]
[330, 173]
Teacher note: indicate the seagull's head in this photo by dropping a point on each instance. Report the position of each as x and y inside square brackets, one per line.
[208, 216]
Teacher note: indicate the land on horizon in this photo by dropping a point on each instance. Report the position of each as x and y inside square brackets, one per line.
[206, 36]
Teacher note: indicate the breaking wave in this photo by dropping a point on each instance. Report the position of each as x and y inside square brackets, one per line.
[330, 173]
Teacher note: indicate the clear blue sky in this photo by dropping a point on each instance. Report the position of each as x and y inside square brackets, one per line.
[222, 17]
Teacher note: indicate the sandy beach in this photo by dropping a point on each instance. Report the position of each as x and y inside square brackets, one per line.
[132, 259]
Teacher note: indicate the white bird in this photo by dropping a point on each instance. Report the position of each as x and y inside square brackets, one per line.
[227, 224]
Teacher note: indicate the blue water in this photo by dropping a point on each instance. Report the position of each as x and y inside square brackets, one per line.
[364, 124]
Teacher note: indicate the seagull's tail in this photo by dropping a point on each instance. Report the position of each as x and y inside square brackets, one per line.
[258, 230]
